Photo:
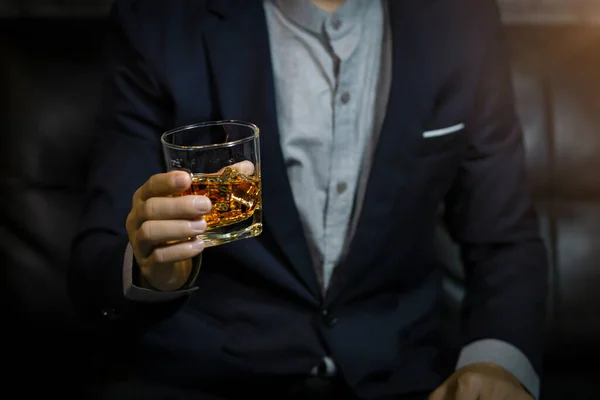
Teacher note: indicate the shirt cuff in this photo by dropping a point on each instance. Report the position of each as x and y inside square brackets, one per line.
[136, 293]
[505, 355]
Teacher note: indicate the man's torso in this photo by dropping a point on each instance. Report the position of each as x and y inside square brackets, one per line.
[260, 308]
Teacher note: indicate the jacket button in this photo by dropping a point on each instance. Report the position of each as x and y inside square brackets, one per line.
[109, 313]
[329, 320]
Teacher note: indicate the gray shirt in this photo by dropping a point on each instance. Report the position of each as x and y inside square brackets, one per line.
[330, 96]
[332, 78]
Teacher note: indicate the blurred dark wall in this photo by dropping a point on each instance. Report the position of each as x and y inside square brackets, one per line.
[50, 76]
[54, 8]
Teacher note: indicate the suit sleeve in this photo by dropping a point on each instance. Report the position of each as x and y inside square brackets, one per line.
[135, 110]
[490, 213]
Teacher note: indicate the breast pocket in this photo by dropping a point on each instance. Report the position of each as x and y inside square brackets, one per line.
[442, 140]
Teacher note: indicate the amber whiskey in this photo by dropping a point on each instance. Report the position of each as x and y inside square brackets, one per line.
[235, 197]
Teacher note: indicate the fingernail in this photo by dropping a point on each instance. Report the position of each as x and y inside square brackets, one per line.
[198, 244]
[198, 225]
[181, 181]
[202, 204]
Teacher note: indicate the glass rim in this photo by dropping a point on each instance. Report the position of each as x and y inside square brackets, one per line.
[170, 132]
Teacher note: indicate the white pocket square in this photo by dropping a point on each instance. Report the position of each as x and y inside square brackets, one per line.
[443, 131]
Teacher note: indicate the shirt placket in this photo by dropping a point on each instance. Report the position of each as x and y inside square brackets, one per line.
[343, 173]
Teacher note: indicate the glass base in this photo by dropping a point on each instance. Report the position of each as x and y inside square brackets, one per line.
[231, 233]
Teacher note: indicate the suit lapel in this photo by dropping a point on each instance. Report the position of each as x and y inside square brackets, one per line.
[393, 160]
[239, 57]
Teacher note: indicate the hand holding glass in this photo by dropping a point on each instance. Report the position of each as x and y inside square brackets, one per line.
[223, 159]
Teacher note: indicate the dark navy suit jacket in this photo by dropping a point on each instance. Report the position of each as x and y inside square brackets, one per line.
[259, 311]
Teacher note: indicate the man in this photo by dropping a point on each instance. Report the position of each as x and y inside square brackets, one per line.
[372, 115]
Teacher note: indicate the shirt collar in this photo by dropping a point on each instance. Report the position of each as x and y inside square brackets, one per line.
[312, 18]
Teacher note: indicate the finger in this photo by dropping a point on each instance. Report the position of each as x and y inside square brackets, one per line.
[164, 184]
[169, 208]
[153, 233]
[169, 254]
[243, 167]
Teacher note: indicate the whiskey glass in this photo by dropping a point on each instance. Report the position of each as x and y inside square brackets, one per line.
[223, 159]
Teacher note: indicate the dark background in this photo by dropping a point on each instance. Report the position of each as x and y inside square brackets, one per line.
[50, 75]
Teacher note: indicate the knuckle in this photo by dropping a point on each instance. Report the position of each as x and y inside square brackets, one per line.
[135, 203]
[130, 222]
[136, 195]
[151, 183]
[146, 231]
[159, 255]
[149, 208]
[140, 211]
[469, 379]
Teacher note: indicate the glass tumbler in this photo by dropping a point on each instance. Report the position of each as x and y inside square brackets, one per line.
[223, 159]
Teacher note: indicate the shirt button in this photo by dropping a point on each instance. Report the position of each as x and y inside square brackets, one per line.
[336, 24]
[329, 320]
[345, 98]
[341, 187]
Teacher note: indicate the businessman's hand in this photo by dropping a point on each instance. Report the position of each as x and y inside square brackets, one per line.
[483, 381]
[162, 230]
